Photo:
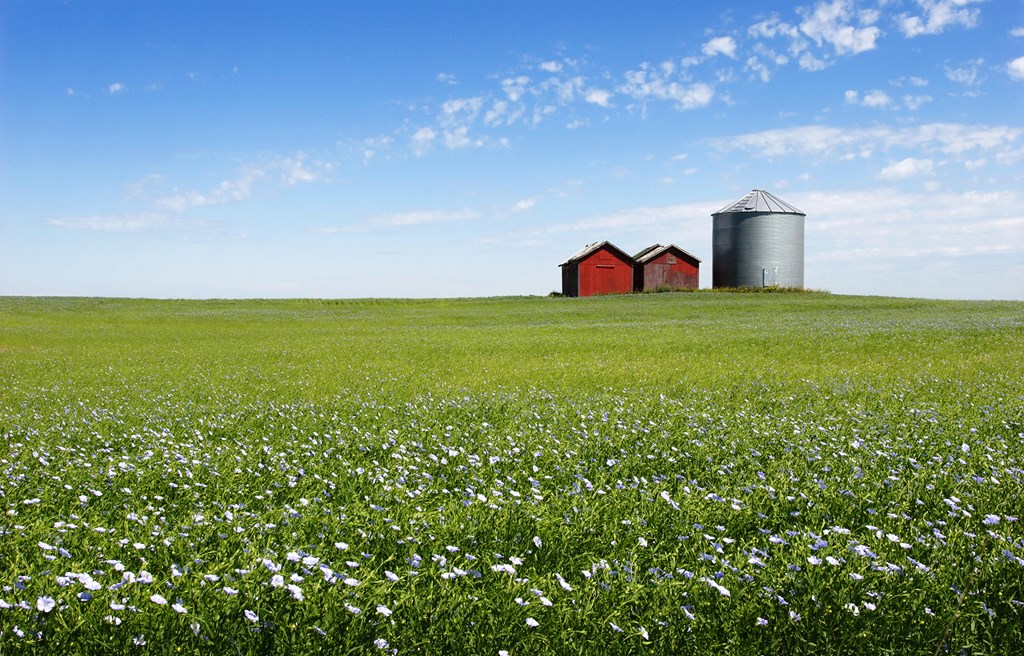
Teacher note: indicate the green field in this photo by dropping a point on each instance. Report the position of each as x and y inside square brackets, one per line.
[689, 473]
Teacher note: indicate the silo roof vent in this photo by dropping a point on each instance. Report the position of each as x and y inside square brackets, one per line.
[761, 202]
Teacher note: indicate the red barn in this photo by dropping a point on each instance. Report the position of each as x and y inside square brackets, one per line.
[665, 267]
[600, 268]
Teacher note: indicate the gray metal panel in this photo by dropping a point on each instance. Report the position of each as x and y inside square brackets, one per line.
[745, 243]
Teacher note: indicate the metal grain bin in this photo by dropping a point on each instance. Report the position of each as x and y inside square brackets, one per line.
[758, 241]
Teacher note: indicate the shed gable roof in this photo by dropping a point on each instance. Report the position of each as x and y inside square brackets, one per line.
[651, 252]
[590, 249]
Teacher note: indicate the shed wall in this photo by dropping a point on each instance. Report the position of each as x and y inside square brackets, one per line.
[604, 272]
[570, 279]
[669, 270]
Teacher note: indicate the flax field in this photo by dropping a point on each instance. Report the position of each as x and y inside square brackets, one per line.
[699, 473]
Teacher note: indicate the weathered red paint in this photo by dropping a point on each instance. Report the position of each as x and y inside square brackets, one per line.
[666, 267]
[598, 269]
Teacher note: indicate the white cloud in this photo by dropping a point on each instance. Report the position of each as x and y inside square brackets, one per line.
[515, 87]
[938, 15]
[772, 28]
[496, 114]
[550, 66]
[832, 23]
[599, 97]
[1017, 31]
[809, 62]
[459, 138]
[116, 87]
[423, 140]
[722, 45]
[1016, 68]
[907, 168]
[758, 67]
[874, 98]
[974, 164]
[565, 90]
[446, 78]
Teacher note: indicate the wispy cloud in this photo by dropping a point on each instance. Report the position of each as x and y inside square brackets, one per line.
[235, 190]
[115, 88]
[886, 223]
[968, 74]
[283, 171]
[123, 223]
[524, 205]
[662, 83]
[913, 103]
[142, 224]
[399, 220]
[820, 140]
[423, 140]
[634, 217]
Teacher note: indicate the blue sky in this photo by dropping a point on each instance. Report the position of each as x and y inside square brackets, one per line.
[413, 149]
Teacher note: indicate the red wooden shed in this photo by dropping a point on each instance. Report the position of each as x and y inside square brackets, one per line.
[665, 267]
[600, 268]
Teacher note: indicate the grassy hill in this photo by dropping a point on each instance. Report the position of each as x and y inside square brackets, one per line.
[651, 341]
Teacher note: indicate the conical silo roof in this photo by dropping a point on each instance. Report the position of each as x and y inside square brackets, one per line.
[760, 202]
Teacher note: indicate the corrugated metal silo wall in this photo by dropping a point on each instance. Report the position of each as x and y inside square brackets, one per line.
[746, 244]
